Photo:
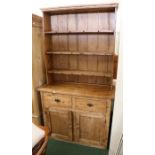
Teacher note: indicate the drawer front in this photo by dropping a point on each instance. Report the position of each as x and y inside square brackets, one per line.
[89, 104]
[55, 100]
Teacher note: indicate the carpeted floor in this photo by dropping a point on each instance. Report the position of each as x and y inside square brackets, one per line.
[55, 147]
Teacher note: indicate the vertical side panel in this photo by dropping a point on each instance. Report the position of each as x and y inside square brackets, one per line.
[38, 68]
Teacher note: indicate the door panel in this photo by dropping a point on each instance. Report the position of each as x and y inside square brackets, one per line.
[61, 124]
[89, 128]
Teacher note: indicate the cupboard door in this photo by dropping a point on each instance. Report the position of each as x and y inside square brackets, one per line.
[90, 129]
[61, 124]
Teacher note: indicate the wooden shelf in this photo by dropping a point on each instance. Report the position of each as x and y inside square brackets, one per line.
[82, 32]
[75, 72]
[79, 53]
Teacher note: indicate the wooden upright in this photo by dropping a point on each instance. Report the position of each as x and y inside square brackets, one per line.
[38, 74]
[79, 45]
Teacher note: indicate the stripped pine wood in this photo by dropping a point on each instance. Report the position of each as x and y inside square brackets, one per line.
[79, 53]
[73, 62]
[85, 73]
[82, 43]
[63, 42]
[47, 20]
[103, 23]
[79, 44]
[72, 23]
[82, 26]
[38, 74]
[54, 23]
[83, 65]
[82, 20]
[62, 23]
[55, 43]
[72, 45]
[92, 26]
[112, 21]
[103, 43]
[92, 66]
[80, 32]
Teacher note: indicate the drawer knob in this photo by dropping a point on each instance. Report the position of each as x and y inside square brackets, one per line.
[90, 105]
[57, 100]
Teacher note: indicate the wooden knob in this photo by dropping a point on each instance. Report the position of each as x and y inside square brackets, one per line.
[57, 100]
[90, 105]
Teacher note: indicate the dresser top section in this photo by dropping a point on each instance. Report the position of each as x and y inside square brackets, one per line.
[80, 90]
[81, 8]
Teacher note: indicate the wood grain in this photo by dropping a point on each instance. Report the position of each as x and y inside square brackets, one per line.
[89, 128]
[38, 74]
[80, 90]
[61, 124]
[79, 44]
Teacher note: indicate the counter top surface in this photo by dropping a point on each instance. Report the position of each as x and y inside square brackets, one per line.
[80, 90]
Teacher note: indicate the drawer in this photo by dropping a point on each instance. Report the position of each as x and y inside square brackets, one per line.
[55, 100]
[90, 104]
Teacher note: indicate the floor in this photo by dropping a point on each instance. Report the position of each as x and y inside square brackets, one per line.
[55, 147]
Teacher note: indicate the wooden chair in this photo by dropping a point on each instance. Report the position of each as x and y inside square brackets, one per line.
[40, 147]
